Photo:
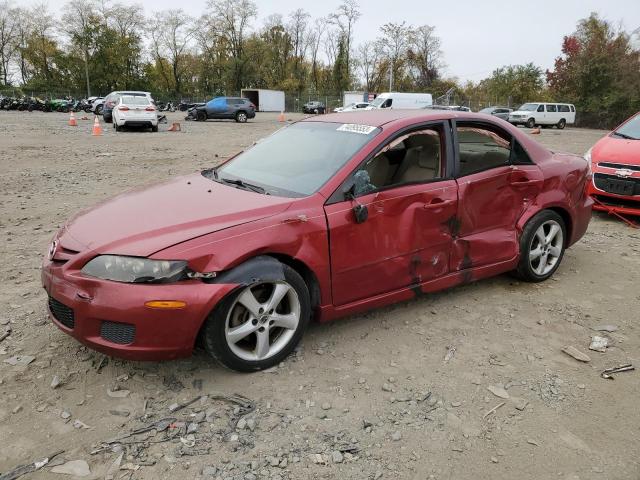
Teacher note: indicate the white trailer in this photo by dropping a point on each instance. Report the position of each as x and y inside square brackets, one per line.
[265, 100]
[352, 97]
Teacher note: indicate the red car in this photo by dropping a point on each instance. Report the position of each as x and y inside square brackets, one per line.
[327, 217]
[615, 161]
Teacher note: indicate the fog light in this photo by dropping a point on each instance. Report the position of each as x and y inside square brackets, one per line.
[166, 304]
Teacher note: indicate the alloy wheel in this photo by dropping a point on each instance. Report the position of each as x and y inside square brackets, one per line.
[546, 247]
[262, 320]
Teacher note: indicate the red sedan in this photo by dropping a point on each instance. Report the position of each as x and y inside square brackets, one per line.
[615, 161]
[327, 217]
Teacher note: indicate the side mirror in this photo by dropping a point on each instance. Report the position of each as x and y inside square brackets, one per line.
[361, 184]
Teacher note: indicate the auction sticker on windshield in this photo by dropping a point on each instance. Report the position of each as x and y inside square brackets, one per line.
[355, 128]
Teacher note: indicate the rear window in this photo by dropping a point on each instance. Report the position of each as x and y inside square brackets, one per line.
[135, 100]
[563, 108]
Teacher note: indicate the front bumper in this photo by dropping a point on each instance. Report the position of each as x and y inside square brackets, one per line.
[110, 317]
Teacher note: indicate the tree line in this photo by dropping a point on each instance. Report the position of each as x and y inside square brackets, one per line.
[95, 46]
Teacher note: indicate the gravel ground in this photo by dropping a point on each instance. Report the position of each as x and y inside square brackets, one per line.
[470, 383]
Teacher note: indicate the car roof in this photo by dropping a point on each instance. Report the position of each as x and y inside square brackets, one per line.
[377, 118]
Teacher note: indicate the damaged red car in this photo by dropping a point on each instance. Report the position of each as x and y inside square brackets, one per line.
[327, 217]
[615, 162]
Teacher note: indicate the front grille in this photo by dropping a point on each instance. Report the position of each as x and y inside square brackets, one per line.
[635, 168]
[121, 333]
[611, 184]
[62, 313]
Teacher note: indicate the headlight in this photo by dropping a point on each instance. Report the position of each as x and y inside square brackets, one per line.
[135, 270]
[587, 157]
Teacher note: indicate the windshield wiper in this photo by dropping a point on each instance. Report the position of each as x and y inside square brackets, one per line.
[628, 137]
[241, 184]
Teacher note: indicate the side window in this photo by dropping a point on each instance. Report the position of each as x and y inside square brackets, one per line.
[481, 148]
[551, 108]
[573, 109]
[412, 158]
[387, 103]
[540, 108]
[563, 108]
[519, 155]
[231, 102]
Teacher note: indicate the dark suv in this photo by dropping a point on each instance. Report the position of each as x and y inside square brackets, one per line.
[313, 107]
[238, 109]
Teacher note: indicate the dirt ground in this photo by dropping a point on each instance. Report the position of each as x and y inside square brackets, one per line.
[379, 395]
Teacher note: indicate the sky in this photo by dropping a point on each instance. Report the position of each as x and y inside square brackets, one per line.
[477, 36]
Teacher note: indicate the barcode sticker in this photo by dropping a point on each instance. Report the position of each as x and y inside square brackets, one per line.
[355, 128]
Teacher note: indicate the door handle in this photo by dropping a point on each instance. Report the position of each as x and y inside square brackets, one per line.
[524, 183]
[437, 203]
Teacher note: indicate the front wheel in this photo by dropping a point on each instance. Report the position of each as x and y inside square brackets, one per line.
[99, 110]
[561, 124]
[201, 116]
[542, 246]
[257, 326]
[530, 123]
[241, 117]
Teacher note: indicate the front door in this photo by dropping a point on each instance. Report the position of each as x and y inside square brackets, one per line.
[406, 238]
[496, 183]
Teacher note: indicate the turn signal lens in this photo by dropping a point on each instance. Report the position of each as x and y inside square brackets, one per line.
[166, 304]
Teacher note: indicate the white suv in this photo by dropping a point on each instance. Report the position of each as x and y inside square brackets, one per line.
[544, 114]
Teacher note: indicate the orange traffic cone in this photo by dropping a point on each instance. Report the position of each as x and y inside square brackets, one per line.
[535, 131]
[281, 116]
[175, 127]
[97, 129]
[72, 120]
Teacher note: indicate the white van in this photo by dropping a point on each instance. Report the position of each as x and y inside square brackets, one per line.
[401, 100]
[532, 114]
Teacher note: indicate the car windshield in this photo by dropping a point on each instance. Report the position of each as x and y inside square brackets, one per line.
[487, 110]
[529, 107]
[378, 101]
[297, 160]
[630, 130]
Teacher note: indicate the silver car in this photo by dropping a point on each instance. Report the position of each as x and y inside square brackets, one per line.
[500, 112]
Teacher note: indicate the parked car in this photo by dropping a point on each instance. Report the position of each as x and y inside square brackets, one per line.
[401, 100]
[97, 105]
[352, 107]
[111, 100]
[500, 112]
[328, 217]
[314, 107]
[544, 114]
[615, 162]
[135, 111]
[236, 108]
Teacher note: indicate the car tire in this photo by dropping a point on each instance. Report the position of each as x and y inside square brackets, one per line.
[530, 123]
[98, 110]
[542, 246]
[561, 124]
[117, 127]
[201, 116]
[241, 117]
[242, 355]
[154, 128]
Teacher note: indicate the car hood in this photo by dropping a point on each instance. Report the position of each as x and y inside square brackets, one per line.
[144, 221]
[617, 150]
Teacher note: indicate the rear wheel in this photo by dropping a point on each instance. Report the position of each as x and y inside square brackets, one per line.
[257, 326]
[542, 246]
[241, 117]
[531, 123]
[154, 128]
[561, 124]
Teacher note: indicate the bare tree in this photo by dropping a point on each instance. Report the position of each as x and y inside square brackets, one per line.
[370, 59]
[8, 36]
[127, 19]
[314, 40]
[395, 38]
[424, 55]
[297, 27]
[78, 18]
[345, 18]
[171, 34]
[233, 19]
